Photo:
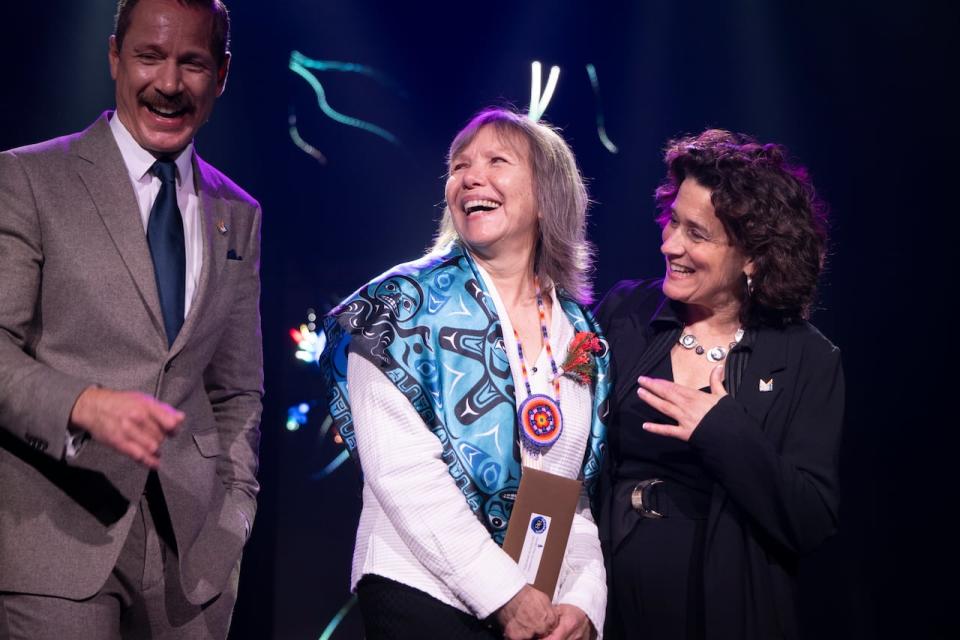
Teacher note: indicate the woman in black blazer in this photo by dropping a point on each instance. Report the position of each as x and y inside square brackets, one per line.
[727, 405]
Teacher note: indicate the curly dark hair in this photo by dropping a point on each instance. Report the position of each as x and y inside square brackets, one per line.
[769, 209]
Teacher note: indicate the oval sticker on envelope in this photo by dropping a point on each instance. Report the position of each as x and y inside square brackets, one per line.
[533, 545]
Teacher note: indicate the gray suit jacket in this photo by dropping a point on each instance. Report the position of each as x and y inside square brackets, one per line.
[79, 307]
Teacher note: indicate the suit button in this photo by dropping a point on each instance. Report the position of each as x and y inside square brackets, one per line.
[37, 443]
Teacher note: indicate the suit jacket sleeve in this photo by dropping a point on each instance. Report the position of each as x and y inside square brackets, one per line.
[35, 399]
[785, 483]
[234, 381]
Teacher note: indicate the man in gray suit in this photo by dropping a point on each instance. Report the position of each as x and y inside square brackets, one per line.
[130, 354]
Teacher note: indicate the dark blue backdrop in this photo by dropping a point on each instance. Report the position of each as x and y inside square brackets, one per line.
[859, 91]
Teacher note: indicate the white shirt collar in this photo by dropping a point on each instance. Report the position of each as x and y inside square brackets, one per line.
[138, 160]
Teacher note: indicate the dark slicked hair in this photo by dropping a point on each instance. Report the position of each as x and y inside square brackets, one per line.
[770, 211]
[219, 37]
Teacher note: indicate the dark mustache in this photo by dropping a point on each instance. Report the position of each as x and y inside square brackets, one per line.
[176, 102]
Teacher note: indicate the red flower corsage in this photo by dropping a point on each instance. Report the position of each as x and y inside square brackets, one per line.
[580, 365]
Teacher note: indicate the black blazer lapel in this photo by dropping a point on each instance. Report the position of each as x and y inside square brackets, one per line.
[642, 344]
[762, 381]
[758, 390]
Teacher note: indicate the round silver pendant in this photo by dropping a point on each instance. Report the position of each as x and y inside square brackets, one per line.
[688, 341]
[716, 354]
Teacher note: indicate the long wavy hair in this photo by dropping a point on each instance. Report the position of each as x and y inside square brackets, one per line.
[563, 256]
[770, 210]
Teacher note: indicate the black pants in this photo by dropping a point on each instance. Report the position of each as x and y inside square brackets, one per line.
[394, 611]
[656, 582]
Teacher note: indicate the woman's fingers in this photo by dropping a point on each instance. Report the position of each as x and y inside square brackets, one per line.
[716, 381]
[664, 406]
[663, 388]
[686, 406]
[669, 430]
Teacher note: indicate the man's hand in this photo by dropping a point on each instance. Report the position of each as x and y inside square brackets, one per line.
[572, 624]
[529, 614]
[133, 423]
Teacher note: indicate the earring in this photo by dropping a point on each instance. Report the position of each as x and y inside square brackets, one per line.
[749, 285]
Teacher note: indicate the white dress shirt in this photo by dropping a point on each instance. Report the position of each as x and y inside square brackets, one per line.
[416, 527]
[146, 186]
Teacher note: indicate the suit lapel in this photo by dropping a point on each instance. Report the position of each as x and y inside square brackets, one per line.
[766, 365]
[103, 173]
[768, 359]
[211, 210]
[643, 348]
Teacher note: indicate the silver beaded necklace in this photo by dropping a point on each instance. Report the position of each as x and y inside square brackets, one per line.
[716, 354]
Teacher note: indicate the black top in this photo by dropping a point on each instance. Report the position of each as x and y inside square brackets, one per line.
[640, 454]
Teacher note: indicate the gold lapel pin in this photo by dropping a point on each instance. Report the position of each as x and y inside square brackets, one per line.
[221, 226]
[766, 385]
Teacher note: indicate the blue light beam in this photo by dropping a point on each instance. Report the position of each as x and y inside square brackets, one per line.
[334, 464]
[601, 128]
[335, 621]
[302, 144]
[333, 114]
[348, 67]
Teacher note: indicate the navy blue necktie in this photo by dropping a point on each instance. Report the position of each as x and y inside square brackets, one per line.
[165, 237]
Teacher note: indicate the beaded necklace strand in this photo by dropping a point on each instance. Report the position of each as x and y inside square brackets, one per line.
[539, 415]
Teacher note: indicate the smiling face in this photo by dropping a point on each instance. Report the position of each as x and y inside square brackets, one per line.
[167, 78]
[703, 267]
[490, 194]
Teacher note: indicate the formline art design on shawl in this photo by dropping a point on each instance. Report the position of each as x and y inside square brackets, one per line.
[433, 330]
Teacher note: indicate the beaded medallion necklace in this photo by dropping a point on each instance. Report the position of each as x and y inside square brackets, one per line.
[541, 421]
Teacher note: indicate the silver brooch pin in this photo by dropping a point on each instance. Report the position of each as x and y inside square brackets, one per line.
[221, 226]
[766, 385]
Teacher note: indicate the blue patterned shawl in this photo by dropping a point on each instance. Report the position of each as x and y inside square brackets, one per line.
[433, 330]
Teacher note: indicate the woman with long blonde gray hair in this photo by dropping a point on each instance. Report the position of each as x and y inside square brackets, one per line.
[451, 374]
